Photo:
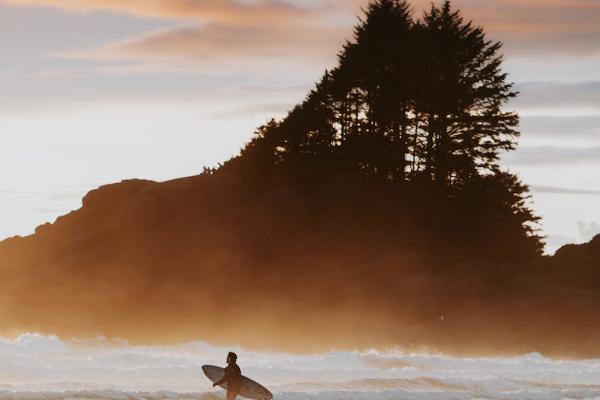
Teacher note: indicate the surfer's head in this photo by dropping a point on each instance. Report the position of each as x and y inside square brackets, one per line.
[231, 357]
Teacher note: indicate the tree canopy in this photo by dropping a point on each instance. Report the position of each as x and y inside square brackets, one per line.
[409, 99]
[416, 103]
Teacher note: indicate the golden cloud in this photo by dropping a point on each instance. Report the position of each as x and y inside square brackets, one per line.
[224, 10]
[235, 29]
[217, 41]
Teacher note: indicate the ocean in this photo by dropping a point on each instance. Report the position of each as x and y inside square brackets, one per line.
[36, 367]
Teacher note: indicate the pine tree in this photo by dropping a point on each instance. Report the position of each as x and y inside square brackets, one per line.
[373, 82]
[461, 94]
[416, 107]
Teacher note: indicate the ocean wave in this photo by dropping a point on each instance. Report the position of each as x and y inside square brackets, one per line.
[108, 394]
[396, 394]
[35, 367]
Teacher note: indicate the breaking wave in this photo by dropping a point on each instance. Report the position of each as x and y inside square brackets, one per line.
[36, 367]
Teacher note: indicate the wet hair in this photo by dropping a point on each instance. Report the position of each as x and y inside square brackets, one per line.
[233, 355]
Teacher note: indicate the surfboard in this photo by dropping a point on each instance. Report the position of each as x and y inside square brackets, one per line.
[248, 388]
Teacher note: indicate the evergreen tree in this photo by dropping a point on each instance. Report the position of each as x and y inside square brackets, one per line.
[461, 94]
[373, 84]
[415, 102]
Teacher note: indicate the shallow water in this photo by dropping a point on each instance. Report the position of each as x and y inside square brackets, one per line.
[38, 367]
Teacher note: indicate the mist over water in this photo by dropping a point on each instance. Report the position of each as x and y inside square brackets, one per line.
[41, 367]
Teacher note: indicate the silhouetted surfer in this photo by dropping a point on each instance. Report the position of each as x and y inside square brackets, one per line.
[231, 377]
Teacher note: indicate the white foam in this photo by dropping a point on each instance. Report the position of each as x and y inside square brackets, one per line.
[34, 367]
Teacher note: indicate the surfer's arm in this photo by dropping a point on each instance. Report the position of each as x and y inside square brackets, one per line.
[224, 379]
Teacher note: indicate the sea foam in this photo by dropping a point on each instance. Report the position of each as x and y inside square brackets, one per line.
[36, 367]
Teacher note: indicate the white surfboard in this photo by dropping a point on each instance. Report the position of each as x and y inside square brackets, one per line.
[248, 388]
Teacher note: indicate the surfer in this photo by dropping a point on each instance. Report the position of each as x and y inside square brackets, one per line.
[231, 377]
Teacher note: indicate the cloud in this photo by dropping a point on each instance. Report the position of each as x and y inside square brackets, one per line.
[29, 35]
[57, 211]
[213, 32]
[217, 41]
[561, 190]
[21, 192]
[579, 127]
[271, 89]
[588, 230]
[267, 27]
[68, 195]
[557, 95]
[528, 28]
[533, 27]
[222, 10]
[210, 30]
[546, 155]
[271, 109]
[557, 241]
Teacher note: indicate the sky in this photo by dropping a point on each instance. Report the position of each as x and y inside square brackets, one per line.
[97, 91]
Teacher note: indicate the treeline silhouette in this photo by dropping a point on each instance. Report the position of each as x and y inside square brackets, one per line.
[374, 214]
[416, 107]
[409, 101]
